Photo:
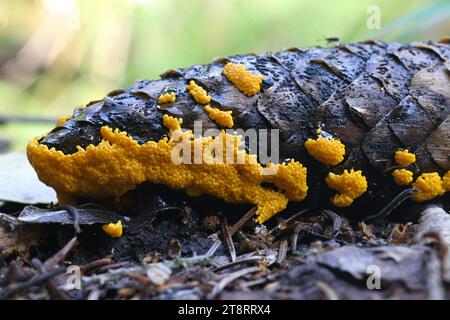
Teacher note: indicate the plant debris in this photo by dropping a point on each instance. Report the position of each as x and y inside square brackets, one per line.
[19, 182]
[176, 252]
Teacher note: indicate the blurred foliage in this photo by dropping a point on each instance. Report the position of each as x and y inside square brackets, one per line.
[55, 54]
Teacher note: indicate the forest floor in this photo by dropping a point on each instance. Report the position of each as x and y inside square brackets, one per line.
[174, 252]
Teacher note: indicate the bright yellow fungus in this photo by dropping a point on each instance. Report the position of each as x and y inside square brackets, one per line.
[198, 93]
[349, 185]
[446, 181]
[172, 123]
[341, 200]
[402, 177]
[222, 118]
[429, 186]
[325, 150]
[167, 97]
[113, 229]
[248, 83]
[119, 163]
[404, 157]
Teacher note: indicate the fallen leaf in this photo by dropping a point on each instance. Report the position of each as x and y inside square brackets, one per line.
[396, 263]
[19, 182]
[32, 214]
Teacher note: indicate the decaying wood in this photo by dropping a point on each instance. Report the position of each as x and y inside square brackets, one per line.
[320, 265]
[15, 237]
[434, 230]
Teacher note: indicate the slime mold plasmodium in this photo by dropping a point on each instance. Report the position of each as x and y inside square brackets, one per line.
[429, 186]
[114, 230]
[198, 93]
[118, 164]
[248, 83]
[404, 158]
[402, 177]
[167, 98]
[446, 181]
[222, 118]
[325, 150]
[349, 185]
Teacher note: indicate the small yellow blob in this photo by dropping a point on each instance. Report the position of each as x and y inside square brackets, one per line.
[319, 131]
[446, 181]
[404, 157]
[402, 177]
[325, 150]
[113, 229]
[429, 186]
[349, 185]
[168, 97]
[341, 200]
[248, 83]
[198, 93]
[63, 120]
[172, 123]
[222, 118]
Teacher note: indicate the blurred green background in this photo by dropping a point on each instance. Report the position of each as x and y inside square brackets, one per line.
[56, 54]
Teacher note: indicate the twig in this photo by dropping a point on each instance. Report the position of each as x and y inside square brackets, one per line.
[94, 295]
[75, 215]
[335, 219]
[139, 278]
[253, 259]
[294, 240]
[291, 218]
[61, 254]
[402, 196]
[218, 288]
[282, 251]
[256, 282]
[232, 230]
[327, 290]
[176, 264]
[228, 239]
[242, 221]
[308, 230]
[95, 264]
[214, 248]
[113, 266]
[168, 209]
[51, 285]
[37, 279]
